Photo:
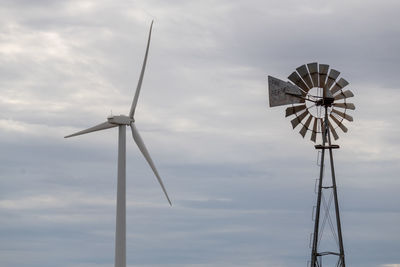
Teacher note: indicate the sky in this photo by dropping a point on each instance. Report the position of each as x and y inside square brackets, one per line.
[240, 179]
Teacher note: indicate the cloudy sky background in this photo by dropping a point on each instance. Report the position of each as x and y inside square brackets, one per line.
[240, 179]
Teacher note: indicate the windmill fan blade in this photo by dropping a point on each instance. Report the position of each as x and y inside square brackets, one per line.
[296, 79]
[143, 149]
[101, 126]
[345, 94]
[333, 131]
[343, 115]
[313, 69]
[333, 74]
[304, 129]
[302, 70]
[295, 109]
[339, 85]
[314, 131]
[298, 119]
[323, 71]
[339, 123]
[139, 85]
[345, 105]
[322, 125]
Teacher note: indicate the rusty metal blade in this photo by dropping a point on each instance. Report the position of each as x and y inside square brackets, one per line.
[345, 105]
[294, 109]
[322, 124]
[302, 70]
[339, 85]
[298, 119]
[296, 79]
[345, 94]
[304, 129]
[313, 69]
[323, 72]
[343, 115]
[314, 131]
[333, 74]
[339, 123]
[333, 131]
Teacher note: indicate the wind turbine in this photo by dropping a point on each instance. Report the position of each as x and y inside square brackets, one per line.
[121, 122]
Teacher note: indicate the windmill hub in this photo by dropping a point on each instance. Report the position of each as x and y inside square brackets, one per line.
[315, 102]
[120, 120]
[326, 101]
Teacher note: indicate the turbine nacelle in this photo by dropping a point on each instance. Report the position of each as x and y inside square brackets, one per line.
[120, 120]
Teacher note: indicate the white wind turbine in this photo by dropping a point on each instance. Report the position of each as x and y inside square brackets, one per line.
[121, 122]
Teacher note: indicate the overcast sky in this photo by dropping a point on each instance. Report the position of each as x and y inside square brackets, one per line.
[240, 179]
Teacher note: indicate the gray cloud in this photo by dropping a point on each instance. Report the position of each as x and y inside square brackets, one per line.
[240, 179]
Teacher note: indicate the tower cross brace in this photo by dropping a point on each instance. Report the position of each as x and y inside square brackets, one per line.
[316, 255]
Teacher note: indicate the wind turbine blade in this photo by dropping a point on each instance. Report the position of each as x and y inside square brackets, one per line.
[143, 149]
[101, 126]
[139, 85]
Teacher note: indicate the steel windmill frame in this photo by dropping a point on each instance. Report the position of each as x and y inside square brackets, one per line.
[297, 93]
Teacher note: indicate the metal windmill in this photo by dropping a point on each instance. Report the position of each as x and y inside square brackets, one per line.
[317, 97]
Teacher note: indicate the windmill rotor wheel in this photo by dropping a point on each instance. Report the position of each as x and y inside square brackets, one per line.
[316, 82]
